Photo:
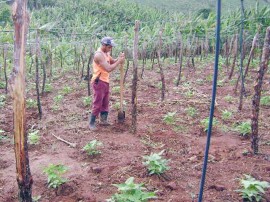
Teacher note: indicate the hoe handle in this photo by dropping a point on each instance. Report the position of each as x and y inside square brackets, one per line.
[121, 85]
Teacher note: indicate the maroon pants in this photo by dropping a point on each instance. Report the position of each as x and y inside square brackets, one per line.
[101, 97]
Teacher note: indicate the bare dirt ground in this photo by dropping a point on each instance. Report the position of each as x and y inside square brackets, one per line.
[90, 179]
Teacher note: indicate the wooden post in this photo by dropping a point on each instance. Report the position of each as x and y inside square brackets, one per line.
[180, 47]
[5, 66]
[258, 88]
[17, 89]
[160, 66]
[38, 56]
[135, 77]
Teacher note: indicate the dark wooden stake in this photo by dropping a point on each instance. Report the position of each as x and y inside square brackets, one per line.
[258, 88]
[135, 77]
[160, 66]
[17, 89]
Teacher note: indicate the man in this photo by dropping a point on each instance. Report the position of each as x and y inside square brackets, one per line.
[103, 64]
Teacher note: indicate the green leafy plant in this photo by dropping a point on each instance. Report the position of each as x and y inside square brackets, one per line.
[244, 128]
[205, 123]
[2, 137]
[116, 89]
[191, 111]
[92, 147]
[228, 98]
[57, 99]
[2, 100]
[265, 101]
[131, 192]
[155, 163]
[226, 114]
[169, 118]
[34, 137]
[31, 103]
[54, 174]
[48, 88]
[66, 90]
[189, 93]
[2, 85]
[252, 189]
[36, 198]
[87, 101]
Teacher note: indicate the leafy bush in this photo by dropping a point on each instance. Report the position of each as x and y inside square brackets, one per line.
[34, 137]
[155, 163]
[131, 192]
[91, 147]
[252, 189]
[244, 128]
[54, 174]
[169, 118]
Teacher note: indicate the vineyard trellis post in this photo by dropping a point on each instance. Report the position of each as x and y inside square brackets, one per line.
[160, 65]
[258, 88]
[17, 89]
[38, 56]
[135, 77]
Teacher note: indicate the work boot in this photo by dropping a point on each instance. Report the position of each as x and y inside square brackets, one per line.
[104, 119]
[92, 123]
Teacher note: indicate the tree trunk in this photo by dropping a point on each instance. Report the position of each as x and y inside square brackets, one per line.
[88, 69]
[258, 88]
[135, 77]
[17, 89]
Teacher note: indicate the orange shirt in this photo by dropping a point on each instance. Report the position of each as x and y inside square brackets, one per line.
[100, 71]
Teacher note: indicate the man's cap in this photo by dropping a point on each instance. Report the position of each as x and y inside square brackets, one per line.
[108, 41]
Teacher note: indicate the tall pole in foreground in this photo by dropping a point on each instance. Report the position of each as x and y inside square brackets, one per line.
[212, 102]
[17, 89]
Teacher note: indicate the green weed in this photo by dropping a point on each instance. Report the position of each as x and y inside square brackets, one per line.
[169, 118]
[92, 147]
[2, 100]
[131, 192]
[265, 101]
[87, 101]
[228, 98]
[48, 88]
[155, 163]
[252, 189]
[31, 103]
[191, 111]
[244, 128]
[226, 114]
[66, 90]
[54, 174]
[116, 89]
[57, 99]
[205, 123]
[34, 137]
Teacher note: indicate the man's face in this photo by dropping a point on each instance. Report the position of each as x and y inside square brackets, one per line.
[108, 48]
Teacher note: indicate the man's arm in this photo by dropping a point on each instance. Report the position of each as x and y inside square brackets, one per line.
[100, 59]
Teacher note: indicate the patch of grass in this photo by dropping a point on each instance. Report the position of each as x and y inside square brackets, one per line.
[58, 99]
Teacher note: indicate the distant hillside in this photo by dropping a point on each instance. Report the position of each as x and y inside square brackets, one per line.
[187, 6]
